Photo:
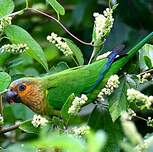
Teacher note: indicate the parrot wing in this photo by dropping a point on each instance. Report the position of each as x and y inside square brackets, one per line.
[61, 85]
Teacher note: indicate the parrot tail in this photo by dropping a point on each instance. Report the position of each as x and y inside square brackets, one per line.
[113, 56]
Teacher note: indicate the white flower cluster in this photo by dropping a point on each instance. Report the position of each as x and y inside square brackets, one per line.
[150, 122]
[77, 103]
[111, 85]
[39, 121]
[103, 23]
[60, 44]
[1, 120]
[144, 77]
[14, 48]
[79, 131]
[5, 22]
[135, 95]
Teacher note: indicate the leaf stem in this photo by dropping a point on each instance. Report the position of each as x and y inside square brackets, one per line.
[140, 118]
[74, 60]
[17, 13]
[27, 4]
[92, 56]
[148, 71]
[4, 37]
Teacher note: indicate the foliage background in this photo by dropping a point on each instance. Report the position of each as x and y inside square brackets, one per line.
[133, 20]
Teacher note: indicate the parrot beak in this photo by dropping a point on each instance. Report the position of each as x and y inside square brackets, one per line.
[12, 97]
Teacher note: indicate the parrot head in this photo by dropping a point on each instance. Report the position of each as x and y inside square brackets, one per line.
[28, 91]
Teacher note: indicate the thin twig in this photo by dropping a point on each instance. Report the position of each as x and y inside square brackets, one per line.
[140, 118]
[92, 55]
[17, 13]
[51, 17]
[11, 128]
[148, 71]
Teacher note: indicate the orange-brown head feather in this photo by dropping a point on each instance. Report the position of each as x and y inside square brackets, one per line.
[31, 93]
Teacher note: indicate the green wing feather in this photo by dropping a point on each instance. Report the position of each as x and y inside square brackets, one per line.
[75, 80]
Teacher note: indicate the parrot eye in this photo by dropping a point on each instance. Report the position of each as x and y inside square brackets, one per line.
[22, 87]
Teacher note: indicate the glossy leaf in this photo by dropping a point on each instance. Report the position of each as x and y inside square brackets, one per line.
[16, 112]
[148, 62]
[118, 100]
[76, 51]
[145, 56]
[101, 119]
[57, 7]
[57, 122]
[18, 35]
[6, 7]
[59, 67]
[5, 80]
[28, 127]
[64, 111]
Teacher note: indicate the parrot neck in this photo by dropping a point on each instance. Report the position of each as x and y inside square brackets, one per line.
[34, 98]
[40, 106]
[36, 103]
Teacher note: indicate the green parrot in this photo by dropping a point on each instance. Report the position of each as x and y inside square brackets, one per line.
[46, 95]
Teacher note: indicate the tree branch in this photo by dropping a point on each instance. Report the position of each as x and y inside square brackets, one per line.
[11, 128]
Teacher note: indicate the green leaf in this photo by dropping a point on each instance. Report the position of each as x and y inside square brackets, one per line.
[59, 67]
[65, 107]
[3, 58]
[94, 34]
[101, 119]
[18, 35]
[58, 122]
[148, 62]
[114, 6]
[132, 81]
[27, 126]
[118, 100]
[145, 56]
[6, 7]
[15, 112]
[5, 80]
[57, 7]
[76, 51]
